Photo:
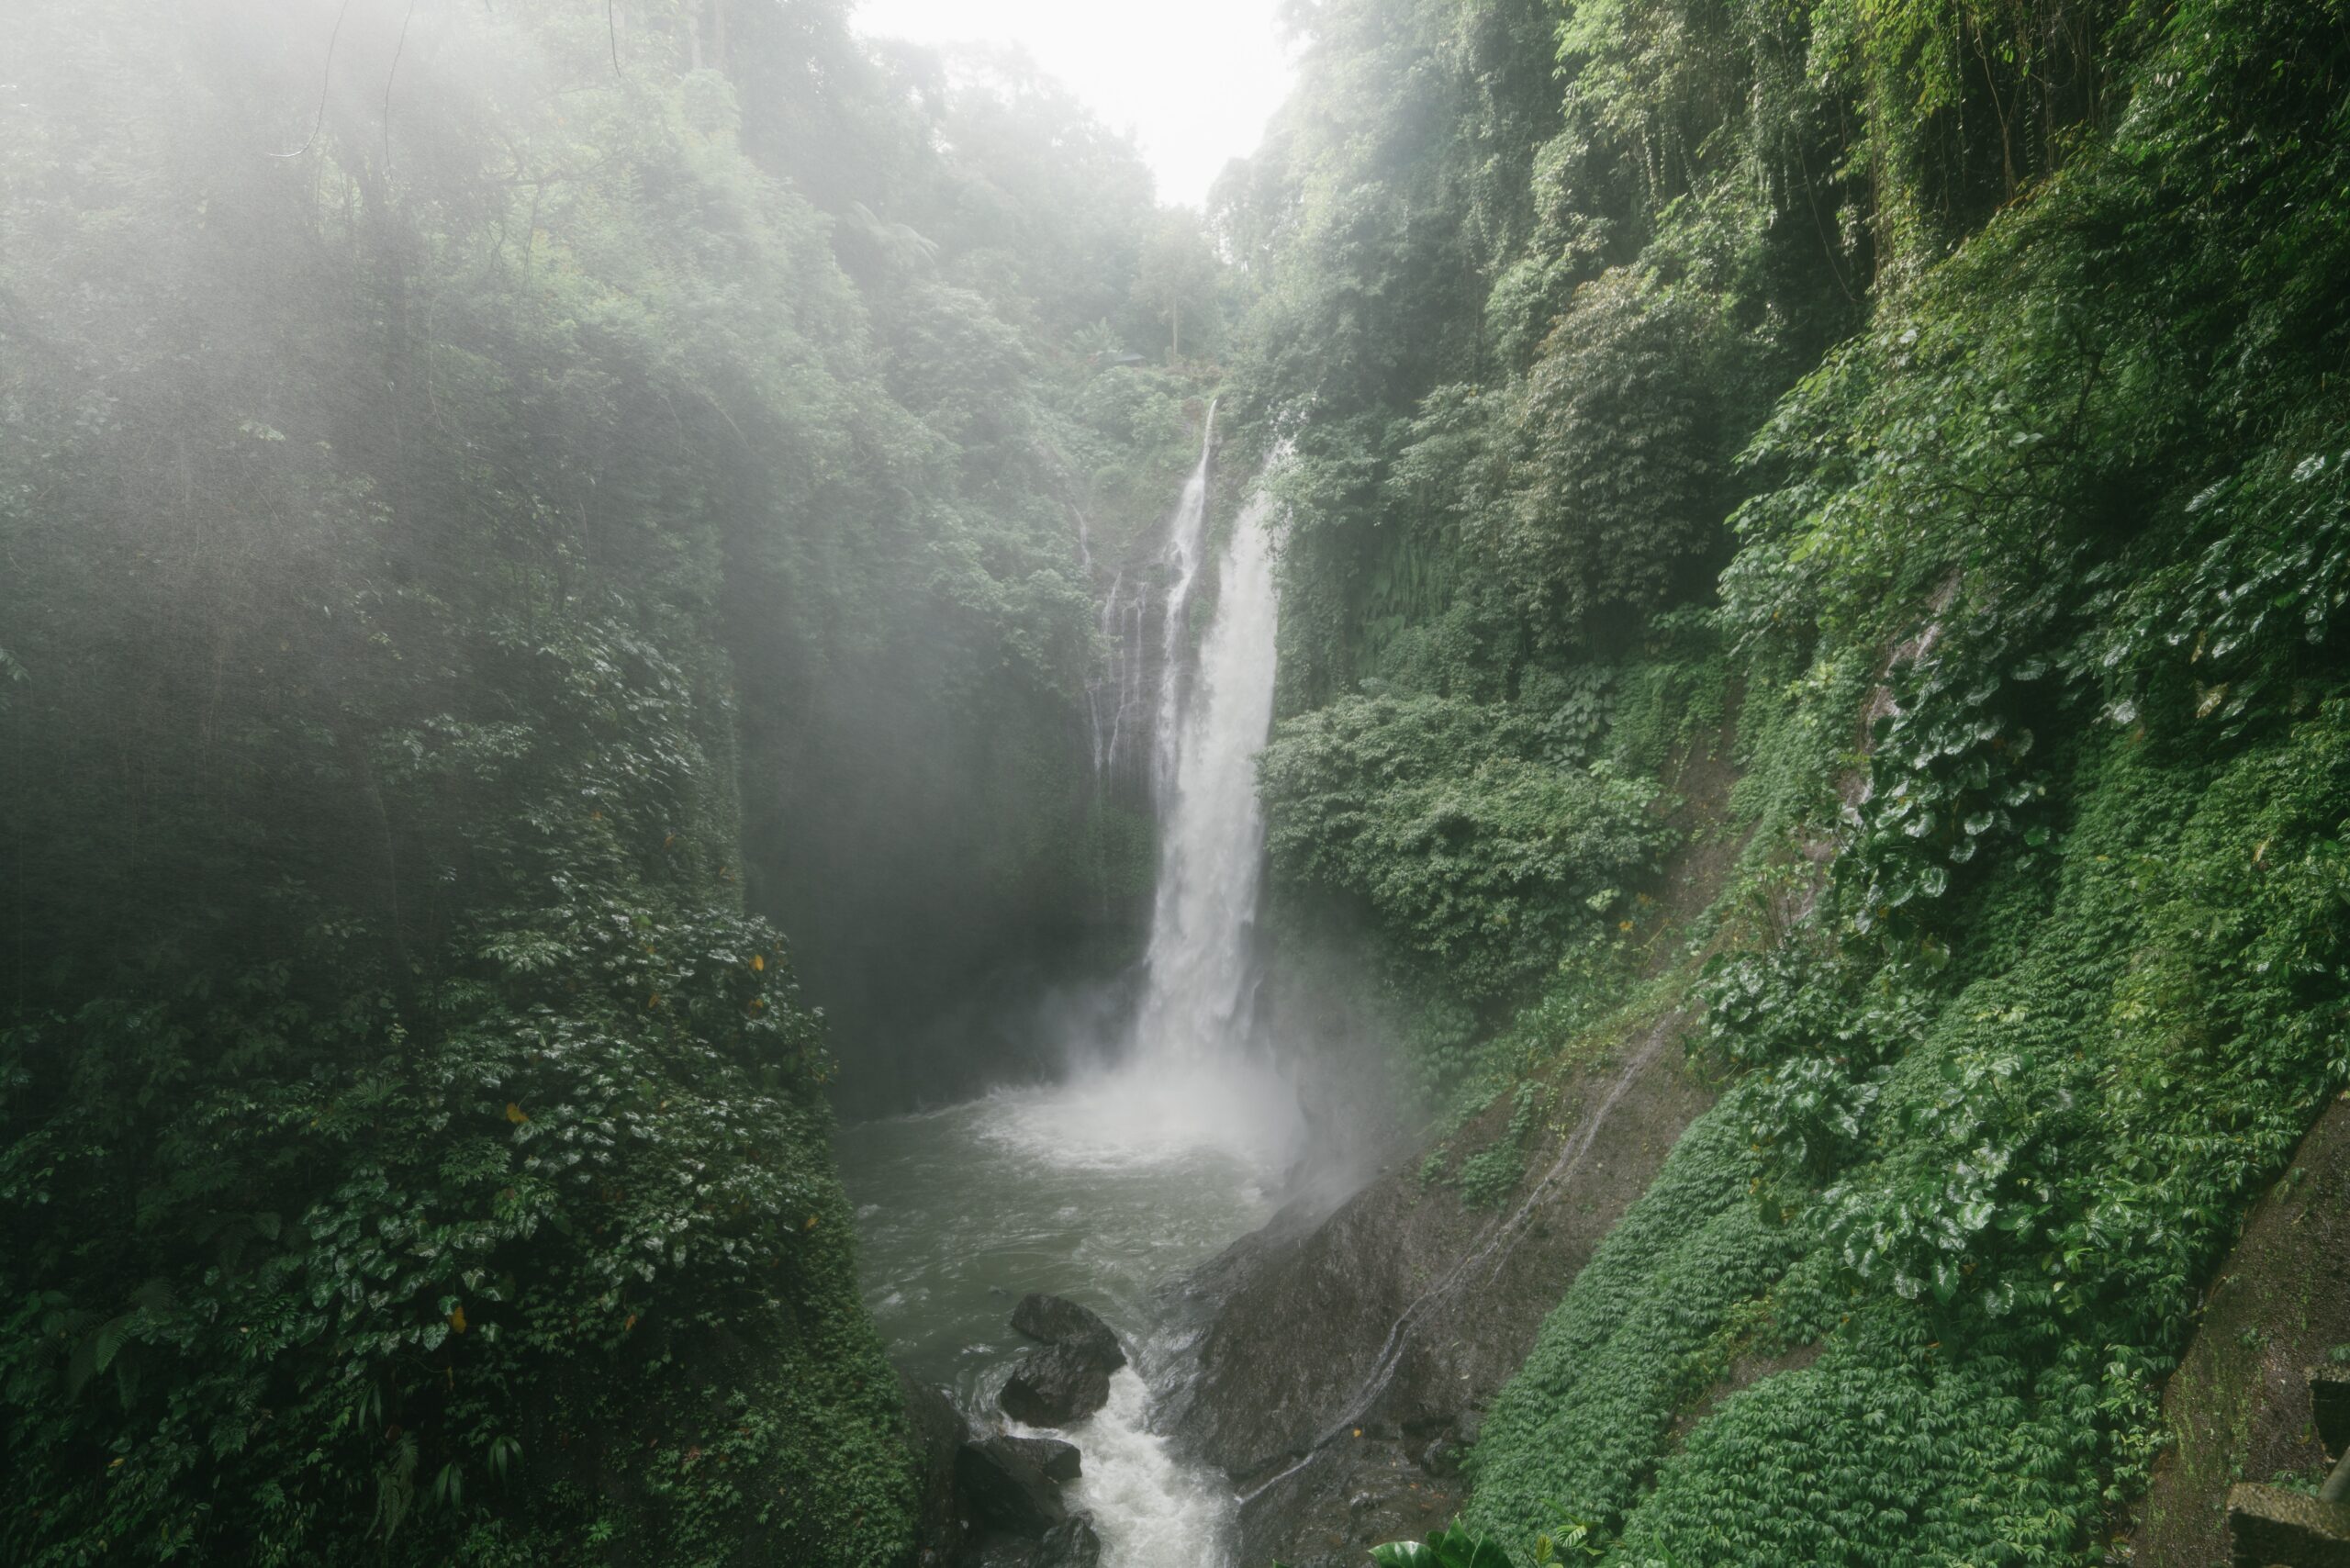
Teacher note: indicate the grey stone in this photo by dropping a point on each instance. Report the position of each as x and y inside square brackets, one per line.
[1007, 1488]
[1058, 1321]
[2271, 1527]
[1070, 1545]
[938, 1432]
[1056, 1459]
[1056, 1386]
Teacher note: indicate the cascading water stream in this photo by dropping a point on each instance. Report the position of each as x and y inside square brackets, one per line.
[1116, 707]
[1186, 548]
[1186, 1074]
[1152, 1155]
[1200, 970]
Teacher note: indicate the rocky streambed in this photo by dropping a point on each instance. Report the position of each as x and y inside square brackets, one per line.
[997, 1498]
[1299, 1395]
[1097, 1191]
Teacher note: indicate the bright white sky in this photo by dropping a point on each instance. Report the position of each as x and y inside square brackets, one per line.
[1194, 81]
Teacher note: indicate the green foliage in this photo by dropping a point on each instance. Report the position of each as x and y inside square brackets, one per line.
[1586, 1414]
[1615, 472]
[1454, 1548]
[1487, 866]
[1965, 103]
[477, 529]
[1491, 1174]
[1178, 278]
[2033, 633]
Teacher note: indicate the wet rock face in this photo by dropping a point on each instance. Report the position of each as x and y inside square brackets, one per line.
[1357, 1492]
[1345, 1355]
[992, 1501]
[1070, 1545]
[2271, 1527]
[1007, 1488]
[943, 1518]
[1057, 1459]
[1056, 1386]
[1069, 1378]
[1054, 1320]
[2244, 1405]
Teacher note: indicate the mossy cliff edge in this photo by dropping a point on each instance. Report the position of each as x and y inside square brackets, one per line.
[507, 513]
[1953, 391]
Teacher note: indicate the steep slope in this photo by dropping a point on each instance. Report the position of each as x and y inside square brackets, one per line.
[1349, 1358]
[2238, 1408]
[448, 487]
[1970, 369]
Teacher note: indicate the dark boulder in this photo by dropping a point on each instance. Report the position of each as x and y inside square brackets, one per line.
[1008, 1489]
[1069, 1378]
[1056, 1386]
[1056, 1459]
[1058, 1321]
[1070, 1545]
[936, 1433]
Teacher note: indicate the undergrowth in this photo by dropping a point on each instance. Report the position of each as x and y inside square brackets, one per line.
[2037, 967]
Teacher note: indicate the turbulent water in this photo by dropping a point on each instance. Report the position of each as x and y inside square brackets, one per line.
[1159, 1149]
[1212, 835]
[1084, 1189]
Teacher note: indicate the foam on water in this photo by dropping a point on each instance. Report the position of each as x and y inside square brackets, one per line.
[1077, 1191]
[1150, 1509]
[1148, 1159]
[1147, 1111]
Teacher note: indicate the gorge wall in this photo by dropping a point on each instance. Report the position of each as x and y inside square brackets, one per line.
[500, 507]
[1949, 392]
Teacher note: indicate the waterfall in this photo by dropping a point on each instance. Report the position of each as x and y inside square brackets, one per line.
[1115, 699]
[1143, 1159]
[1187, 1076]
[1212, 833]
[1186, 546]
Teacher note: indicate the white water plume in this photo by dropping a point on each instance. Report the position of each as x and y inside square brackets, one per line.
[1144, 1160]
[1186, 549]
[1148, 1507]
[1119, 710]
[1211, 831]
[1189, 1086]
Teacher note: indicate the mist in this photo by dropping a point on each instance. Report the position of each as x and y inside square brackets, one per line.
[550, 619]
[1486, 780]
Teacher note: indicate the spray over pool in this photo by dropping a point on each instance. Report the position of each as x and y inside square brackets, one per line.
[1148, 1159]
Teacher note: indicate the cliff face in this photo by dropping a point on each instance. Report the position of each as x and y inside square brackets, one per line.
[478, 532]
[2278, 1308]
[1782, 349]
[1345, 1354]
[1348, 1358]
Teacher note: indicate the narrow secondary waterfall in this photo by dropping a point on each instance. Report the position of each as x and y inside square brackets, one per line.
[1159, 1150]
[1114, 701]
[1186, 549]
[1120, 709]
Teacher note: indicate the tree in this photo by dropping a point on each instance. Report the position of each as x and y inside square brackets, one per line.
[1178, 275]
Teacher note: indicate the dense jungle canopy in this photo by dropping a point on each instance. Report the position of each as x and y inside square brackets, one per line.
[552, 558]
